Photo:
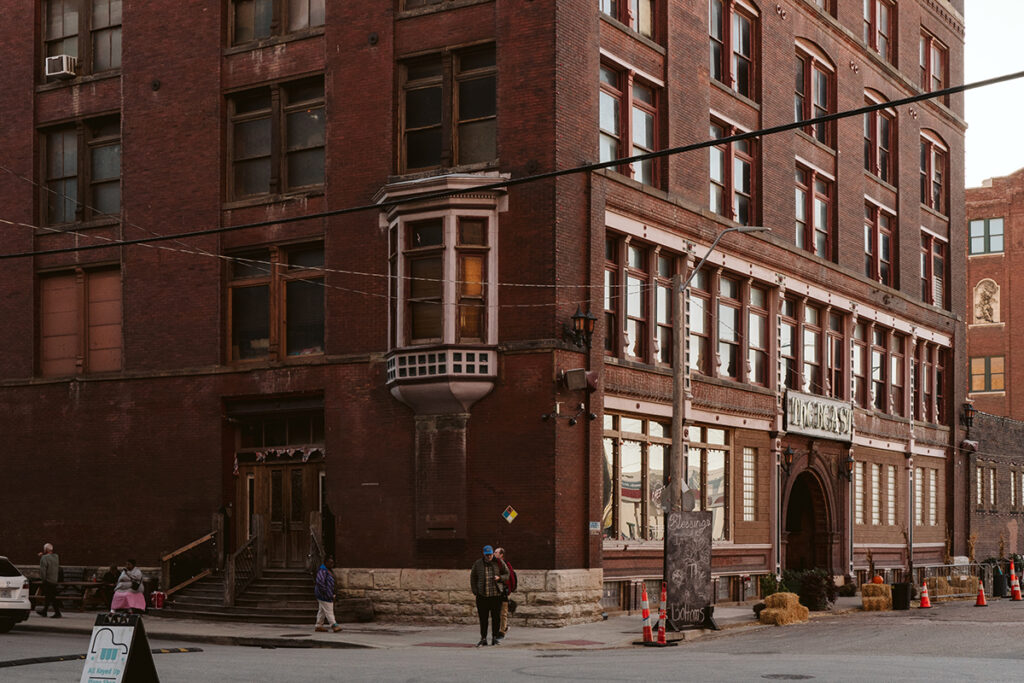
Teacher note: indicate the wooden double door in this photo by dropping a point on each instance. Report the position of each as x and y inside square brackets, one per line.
[283, 495]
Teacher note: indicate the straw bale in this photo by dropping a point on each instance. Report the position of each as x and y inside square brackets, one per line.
[783, 608]
[876, 590]
[876, 604]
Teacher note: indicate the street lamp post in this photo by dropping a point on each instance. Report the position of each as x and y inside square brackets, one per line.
[677, 463]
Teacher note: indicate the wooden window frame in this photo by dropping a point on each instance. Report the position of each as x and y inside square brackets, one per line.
[934, 256]
[612, 295]
[699, 450]
[451, 74]
[737, 342]
[624, 93]
[879, 372]
[876, 233]
[649, 490]
[790, 370]
[897, 374]
[879, 133]
[874, 33]
[86, 32]
[836, 356]
[666, 266]
[808, 196]
[986, 236]
[277, 273]
[279, 22]
[934, 175]
[732, 153]
[754, 312]
[280, 106]
[987, 374]
[729, 54]
[700, 290]
[807, 100]
[934, 76]
[88, 138]
[860, 389]
[631, 13]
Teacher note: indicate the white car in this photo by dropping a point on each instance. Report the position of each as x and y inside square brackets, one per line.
[14, 602]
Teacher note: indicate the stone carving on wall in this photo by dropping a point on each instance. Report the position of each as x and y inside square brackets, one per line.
[986, 302]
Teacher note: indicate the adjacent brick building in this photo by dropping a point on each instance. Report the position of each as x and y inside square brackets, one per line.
[410, 365]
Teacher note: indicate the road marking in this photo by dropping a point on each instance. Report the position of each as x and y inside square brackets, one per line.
[70, 658]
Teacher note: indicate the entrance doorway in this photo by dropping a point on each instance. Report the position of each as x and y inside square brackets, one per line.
[807, 525]
[283, 494]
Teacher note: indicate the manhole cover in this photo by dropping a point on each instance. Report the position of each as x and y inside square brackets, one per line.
[787, 677]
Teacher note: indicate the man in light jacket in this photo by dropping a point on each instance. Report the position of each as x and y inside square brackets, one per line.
[324, 592]
[49, 572]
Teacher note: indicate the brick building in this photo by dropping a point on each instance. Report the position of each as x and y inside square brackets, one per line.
[996, 499]
[394, 363]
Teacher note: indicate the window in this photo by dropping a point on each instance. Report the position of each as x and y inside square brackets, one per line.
[933, 174]
[622, 92]
[992, 497]
[861, 386]
[757, 337]
[700, 323]
[940, 385]
[83, 171]
[708, 472]
[812, 379]
[987, 373]
[986, 236]
[876, 494]
[1013, 489]
[749, 484]
[788, 327]
[880, 27]
[640, 298]
[978, 486]
[879, 389]
[933, 269]
[879, 227]
[835, 349]
[934, 61]
[449, 109]
[897, 383]
[636, 14]
[277, 138]
[890, 497]
[259, 19]
[814, 212]
[89, 30]
[858, 492]
[813, 95]
[924, 384]
[918, 496]
[827, 6]
[80, 322]
[276, 302]
[732, 164]
[732, 26]
[879, 127]
[636, 451]
[729, 331]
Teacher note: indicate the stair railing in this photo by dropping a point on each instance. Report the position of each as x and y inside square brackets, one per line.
[245, 565]
[193, 561]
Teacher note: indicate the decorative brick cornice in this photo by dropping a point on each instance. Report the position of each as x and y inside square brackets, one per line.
[943, 10]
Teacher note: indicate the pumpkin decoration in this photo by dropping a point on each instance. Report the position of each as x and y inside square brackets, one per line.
[877, 579]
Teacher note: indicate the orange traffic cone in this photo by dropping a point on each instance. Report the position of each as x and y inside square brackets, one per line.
[648, 636]
[1014, 584]
[925, 602]
[981, 595]
[661, 613]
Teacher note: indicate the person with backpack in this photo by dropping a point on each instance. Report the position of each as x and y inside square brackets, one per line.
[508, 605]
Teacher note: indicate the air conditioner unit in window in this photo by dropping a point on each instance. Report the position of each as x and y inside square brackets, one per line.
[61, 66]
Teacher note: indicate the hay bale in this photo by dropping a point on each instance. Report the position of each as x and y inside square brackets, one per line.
[783, 608]
[938, 587]
[876, 597]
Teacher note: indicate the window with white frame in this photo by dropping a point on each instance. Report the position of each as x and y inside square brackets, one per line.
[858, 492]
[918, 496]
[933, 497]
[890, 497]
[992, 497]
[749, 484]
[876, 502]
[979, 479]
[986, 236]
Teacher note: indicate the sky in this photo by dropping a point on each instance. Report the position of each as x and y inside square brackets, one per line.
[993, 38]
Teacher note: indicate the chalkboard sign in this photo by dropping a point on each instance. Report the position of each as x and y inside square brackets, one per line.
[688, 570]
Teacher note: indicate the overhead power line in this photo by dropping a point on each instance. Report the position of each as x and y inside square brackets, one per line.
[512, 182]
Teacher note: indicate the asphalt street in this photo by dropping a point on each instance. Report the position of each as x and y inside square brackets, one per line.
[954, 642]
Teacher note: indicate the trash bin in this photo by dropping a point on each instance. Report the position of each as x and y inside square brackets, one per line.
[998, 585]
[901, 595]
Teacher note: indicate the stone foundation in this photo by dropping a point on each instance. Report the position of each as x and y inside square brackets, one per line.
[442, 596]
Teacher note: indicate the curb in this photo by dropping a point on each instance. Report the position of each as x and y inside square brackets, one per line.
[242, 641]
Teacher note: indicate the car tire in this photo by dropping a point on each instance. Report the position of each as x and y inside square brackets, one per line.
[6, 625]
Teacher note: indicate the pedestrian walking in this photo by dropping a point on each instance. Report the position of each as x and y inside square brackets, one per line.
[508, 605]
[129, 593]
[324, 592]
[49, 572]
[486, 579]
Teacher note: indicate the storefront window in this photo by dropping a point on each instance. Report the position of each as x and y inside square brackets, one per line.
[636, 453]
[708, 472]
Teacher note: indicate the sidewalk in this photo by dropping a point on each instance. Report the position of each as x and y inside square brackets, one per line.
[614, 632]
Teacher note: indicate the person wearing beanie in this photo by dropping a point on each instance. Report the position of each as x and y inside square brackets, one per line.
[486, 580]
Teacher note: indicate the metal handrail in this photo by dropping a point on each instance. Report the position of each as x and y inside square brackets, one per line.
[189, 568]
[188, 546]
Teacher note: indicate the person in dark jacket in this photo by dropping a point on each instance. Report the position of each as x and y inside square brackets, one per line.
[486, 580]
[49, 572]
[324, 592]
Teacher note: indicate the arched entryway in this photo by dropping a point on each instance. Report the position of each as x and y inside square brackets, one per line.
[807, 524]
